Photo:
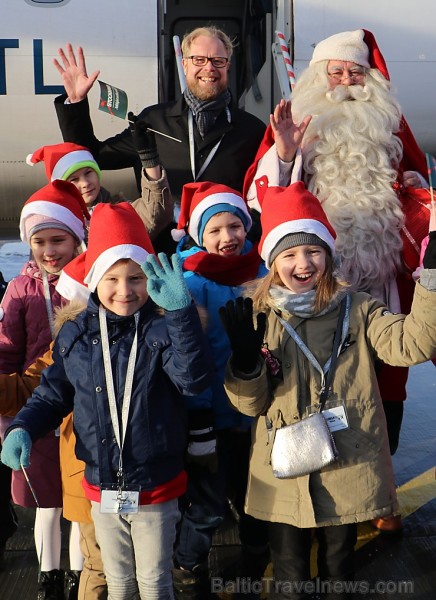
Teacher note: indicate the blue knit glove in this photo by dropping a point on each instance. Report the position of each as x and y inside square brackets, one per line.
[166, 285]
[16, 449]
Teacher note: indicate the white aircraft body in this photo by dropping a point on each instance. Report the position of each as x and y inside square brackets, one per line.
[131, 44]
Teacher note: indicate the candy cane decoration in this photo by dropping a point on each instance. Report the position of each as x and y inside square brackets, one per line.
[178, 53]
[286, 57]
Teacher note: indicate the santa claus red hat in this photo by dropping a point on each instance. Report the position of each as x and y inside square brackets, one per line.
[116, 232]
[292, 216]
[61, 160]
[70, 284]
[200, 201]
[58, 205]
[357, 46]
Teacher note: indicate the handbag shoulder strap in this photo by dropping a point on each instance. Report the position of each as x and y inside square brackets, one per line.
[335, 353]
[343, 311]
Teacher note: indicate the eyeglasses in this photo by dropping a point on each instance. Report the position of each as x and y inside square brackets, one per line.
[355, 75]
[201, 61]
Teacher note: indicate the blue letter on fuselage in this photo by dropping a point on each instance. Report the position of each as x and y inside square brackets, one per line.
[5, 44]
[40, 88]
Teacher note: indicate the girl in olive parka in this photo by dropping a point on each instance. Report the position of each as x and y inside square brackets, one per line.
[302, 295]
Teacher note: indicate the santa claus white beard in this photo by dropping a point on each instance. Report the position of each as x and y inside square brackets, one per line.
[348, 157]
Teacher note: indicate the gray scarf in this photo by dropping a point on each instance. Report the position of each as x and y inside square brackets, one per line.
[206, 112]
[300, 305]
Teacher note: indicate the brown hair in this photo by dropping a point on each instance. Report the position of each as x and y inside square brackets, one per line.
[209, 31]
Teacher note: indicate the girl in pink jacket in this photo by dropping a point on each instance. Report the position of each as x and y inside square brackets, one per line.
[52, 223]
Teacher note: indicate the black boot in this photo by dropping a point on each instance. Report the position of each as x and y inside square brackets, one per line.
[2, 555]
[191, 585]
[252, 565]
[71, 584]
[50, 585]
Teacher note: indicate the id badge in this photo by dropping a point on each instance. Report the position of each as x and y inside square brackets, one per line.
[334, 413]
[119, 500]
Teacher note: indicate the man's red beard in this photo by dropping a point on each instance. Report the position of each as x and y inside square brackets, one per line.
[350, 153]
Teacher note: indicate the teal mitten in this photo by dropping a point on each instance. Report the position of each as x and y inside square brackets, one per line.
[16, 449]
[166, 285]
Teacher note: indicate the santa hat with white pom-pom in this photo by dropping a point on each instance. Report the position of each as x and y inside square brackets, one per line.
[62, 160]
[201, 201]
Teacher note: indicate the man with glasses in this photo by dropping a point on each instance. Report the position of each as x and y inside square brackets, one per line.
[346, 138]
[218, 140]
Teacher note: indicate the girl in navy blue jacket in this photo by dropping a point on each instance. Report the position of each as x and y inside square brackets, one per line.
[122, 368]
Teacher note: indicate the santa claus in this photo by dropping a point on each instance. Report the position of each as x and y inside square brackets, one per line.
[345, 136]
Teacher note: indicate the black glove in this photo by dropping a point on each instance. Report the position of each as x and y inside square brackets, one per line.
[245, 341]
[202, 440]
[429, 260]
[144, 142]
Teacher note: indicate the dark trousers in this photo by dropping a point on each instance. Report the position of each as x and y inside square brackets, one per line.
[8, 518]
[290, 554]
[206, 501]
[394, 418]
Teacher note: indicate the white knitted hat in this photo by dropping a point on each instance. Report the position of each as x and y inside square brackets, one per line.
[347, 46]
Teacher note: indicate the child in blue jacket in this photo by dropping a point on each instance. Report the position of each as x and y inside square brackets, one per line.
[217, 261]
[122, 368]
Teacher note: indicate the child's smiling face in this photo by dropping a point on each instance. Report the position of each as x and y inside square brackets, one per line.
[224, 234]
[53, 248]
[87, 182]
[123, 288]
[301, 267]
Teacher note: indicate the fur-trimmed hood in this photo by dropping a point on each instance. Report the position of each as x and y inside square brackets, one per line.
[69, 312]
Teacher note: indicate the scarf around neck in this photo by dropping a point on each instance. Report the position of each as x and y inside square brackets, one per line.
[225, 270]
[206, 112]
[300, 305]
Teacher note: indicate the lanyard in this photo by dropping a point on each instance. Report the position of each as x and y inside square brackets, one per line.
[344, 320]
[192, 147]
[120, 434]
[48, 302]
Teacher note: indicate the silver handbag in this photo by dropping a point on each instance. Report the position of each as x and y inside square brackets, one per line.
[308, 446]
[302, 448]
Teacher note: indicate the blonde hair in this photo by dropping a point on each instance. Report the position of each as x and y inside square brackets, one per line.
[326, 288]
[209, 31]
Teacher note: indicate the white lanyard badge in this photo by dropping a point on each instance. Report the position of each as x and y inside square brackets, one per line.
[120, 434]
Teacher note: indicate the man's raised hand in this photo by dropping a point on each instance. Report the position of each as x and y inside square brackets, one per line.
[73, 73]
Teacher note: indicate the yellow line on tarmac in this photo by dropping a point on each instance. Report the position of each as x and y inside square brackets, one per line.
[417, 492]
[411, 495]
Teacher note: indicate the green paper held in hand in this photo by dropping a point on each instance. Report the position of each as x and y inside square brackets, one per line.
[113, 100]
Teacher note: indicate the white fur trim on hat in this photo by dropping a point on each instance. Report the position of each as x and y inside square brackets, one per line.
[297, 226]
[347, 46]
[53, 210]
[70, 289]
[211, 200]
[109, 257]
[72, 160]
